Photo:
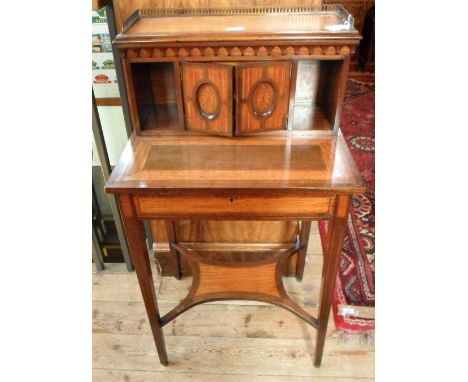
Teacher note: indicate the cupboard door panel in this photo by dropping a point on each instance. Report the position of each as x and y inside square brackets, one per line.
[262, 97]
[208, 94]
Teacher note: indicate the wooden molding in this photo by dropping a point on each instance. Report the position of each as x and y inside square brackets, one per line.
[285, 50]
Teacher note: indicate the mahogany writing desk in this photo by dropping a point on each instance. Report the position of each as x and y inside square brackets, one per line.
[236, 118]
[267, 178]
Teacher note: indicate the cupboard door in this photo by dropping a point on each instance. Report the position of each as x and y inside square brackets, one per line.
[262, 91]
[208, 93]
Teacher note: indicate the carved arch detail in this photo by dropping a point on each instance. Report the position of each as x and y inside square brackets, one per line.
[236, 51]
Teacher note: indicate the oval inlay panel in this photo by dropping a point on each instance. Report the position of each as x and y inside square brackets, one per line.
[263, 98]
[208, 100]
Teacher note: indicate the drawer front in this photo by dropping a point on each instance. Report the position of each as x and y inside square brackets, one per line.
[208, 97]
[246, 207]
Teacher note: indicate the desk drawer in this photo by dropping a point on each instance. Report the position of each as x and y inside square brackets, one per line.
[246, 207]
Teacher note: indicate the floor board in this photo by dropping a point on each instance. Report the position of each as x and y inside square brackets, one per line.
[220, 341]
[106, 375]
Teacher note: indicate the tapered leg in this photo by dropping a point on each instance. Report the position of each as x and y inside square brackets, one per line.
[171, 236]
[301, 255]
[136, 242]
[336, 232]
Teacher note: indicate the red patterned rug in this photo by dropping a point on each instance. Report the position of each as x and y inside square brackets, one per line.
[355, 281]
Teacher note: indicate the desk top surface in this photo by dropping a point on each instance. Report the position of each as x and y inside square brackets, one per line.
[199, 162]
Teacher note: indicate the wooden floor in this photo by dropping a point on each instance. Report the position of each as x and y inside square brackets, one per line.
[222, 341]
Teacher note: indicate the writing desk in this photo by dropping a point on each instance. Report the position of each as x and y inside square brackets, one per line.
[256, 177]
[236, 115]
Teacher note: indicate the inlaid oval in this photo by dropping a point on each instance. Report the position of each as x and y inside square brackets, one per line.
[208, 100]
[263, 98]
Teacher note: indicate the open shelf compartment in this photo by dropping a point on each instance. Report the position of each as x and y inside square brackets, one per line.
[317, 95]
[155, 96]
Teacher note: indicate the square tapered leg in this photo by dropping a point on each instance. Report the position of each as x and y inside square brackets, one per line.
[336, 232]
[136, 241]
